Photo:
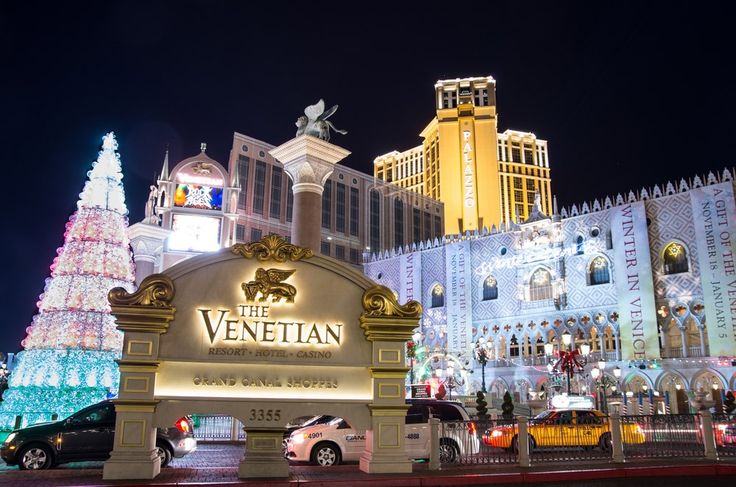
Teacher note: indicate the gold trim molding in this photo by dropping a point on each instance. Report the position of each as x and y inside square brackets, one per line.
[272, 247]
[156, 290]
[380, 302]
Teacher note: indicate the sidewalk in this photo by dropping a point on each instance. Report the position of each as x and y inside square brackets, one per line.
[634, 474]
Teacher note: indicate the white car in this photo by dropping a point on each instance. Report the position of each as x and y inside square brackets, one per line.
[335, 442]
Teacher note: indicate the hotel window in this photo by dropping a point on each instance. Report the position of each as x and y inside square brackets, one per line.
[515, 153]
[675, 259]
[540, 285]
[354, 211]
[518, 196]
[354, 256]
[340, 209]
[416, 221]
[530, 185]
[276, 192]
[375, 222]
[490, 289]
[528, 156]
[259, 188]
[243, 163]
[389, 174]
[289, 200]
[598, 272]
[437, 226]
[324, 248]
[449, 99]
[340, 252]
[255, 234]
[327, 204]
[438, 296]
[240, 233]
[481, 97]
[398, 222]
[427, 220]
[517, 183]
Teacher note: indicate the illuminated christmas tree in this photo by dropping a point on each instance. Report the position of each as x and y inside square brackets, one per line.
[69, 353]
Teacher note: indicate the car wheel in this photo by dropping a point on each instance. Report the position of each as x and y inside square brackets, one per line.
[164, 454]
[449, 452]
[326, 455]
[35, 457]
[605, 442]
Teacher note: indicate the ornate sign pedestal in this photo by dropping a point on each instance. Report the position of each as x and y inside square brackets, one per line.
[263, 332]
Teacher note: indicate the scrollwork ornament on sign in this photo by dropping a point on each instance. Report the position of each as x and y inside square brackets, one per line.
[380, 301]
[156, 290]
[272, 247]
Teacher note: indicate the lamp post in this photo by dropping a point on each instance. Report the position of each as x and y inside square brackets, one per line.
[482, 354]
[602, 383]
[569, 360]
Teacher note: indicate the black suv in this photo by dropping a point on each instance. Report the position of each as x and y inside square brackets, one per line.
[86, 435]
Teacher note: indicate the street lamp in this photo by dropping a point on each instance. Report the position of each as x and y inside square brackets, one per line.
[569, 360]
[482, 354]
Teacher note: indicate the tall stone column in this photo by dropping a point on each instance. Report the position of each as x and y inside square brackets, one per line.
[308, 161]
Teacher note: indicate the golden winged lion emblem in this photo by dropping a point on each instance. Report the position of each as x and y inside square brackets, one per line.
[269, 283]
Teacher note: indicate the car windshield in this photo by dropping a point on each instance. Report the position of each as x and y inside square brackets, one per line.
[542, 415]
[321, 419]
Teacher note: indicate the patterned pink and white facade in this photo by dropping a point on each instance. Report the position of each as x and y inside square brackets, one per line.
[647, 280]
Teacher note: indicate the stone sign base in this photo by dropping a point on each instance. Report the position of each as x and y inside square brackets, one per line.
[130, 465]
[263, 457]
[382, 461]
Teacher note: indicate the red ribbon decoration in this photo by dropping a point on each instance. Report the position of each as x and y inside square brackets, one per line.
[568, 361]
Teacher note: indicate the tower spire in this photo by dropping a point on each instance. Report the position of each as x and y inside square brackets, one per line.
[165, 168]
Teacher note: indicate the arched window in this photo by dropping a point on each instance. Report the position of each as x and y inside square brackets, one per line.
[598, 272]
[514, 346]
[438, 296]
[540, 285]
[579, 245]
[675, 259]
[490, 289]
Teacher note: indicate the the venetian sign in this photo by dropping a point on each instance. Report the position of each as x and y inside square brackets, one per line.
[249, 329]
[468, 175]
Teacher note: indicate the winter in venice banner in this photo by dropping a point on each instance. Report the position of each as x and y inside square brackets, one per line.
[634, 284]
[714, 215]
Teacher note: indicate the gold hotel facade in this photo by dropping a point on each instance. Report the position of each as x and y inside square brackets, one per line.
[482, 177]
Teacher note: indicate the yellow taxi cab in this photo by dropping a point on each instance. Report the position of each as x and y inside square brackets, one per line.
[564, 428]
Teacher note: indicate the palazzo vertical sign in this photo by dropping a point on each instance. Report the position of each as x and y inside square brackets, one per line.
[714, 214]
[457, 296]
[634, 284]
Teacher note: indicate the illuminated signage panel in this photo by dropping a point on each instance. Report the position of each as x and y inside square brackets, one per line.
[195, 233]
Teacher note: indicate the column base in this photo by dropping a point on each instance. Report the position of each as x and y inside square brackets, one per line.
[131, 466]
[383, 463]
[263, 457]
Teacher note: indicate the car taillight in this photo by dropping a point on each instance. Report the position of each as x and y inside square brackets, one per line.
[183, 425]
[471, 428]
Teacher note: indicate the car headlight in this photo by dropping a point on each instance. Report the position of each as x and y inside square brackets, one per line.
[10, 438]
[496, 433]
[297, 439]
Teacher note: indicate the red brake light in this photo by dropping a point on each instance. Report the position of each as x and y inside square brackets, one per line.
[471, 428]
[183, 425]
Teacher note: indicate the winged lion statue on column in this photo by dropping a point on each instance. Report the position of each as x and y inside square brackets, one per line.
[314, 121]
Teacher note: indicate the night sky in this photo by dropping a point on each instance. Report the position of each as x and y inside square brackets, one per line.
[627, 95]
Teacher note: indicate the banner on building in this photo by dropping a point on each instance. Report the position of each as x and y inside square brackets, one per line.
[714, 214]
[410, 268]
[634, 284]
[457, 296]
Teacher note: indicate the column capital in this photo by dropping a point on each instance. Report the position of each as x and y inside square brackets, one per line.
[309, 161]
